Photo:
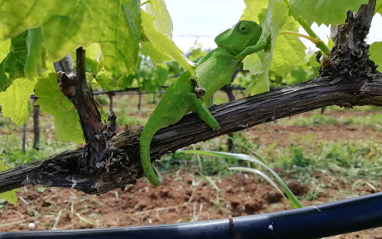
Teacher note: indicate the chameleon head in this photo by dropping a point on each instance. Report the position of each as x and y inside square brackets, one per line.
[239, 37]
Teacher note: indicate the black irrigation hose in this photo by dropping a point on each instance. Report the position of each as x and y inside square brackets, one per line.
[309, 222]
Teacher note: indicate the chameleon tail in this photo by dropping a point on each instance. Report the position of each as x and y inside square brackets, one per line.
[150, 171]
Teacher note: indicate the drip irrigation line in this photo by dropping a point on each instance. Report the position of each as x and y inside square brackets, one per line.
[309, 222]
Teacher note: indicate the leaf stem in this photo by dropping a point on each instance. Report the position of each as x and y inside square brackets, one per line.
[377, 9]
[300, 35]
[319, 43]
[148, 1]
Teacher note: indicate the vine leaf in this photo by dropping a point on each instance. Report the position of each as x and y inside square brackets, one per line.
[23, 59]
[163, 21]
[279, 59]
[378, 7]
[4, 49]
[330, 12]
[253, 9]
[159, 46]
[376, 54]
[35, 59]
[160, 75]
[15, 101]
[12, 66]
[52, 101]
[289, 50]
[66, 25]
[104, 79]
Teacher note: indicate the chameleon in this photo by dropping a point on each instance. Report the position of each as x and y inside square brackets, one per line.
[188, 92]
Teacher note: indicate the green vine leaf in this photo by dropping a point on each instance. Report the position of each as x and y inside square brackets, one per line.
[159, 46]
[4, 49]
[289, 51]
[378, 7]
[375, 51]
[273, 19]
[103, 79]
[163, 21]
[10, 196]
[66, 25]
[52, 101]
[253, 9]
[15, 101]
[12, 66]
[323, 11]
[24, 59]
[35, 58]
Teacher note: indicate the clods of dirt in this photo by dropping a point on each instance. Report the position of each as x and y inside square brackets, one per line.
[182, 198]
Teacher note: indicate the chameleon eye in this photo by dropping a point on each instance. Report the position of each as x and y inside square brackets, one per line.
[243, 27]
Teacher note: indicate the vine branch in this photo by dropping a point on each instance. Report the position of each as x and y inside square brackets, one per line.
[350, 78]
[61, 170]
[96, 133]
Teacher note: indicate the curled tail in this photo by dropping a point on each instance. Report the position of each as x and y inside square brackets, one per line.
[150, 171]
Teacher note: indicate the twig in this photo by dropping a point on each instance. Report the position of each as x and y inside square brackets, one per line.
[36, 126]
[24, 137]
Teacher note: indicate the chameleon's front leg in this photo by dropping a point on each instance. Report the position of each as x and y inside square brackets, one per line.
[253, 49]
[203, 112]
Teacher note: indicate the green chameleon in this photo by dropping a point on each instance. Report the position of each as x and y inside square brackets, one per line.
[186, 94]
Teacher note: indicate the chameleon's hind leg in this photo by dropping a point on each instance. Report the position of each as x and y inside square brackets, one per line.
[203, 112]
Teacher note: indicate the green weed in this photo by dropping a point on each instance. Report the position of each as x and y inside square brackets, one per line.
[265, 168]
[4, 121]
[364, 108]
[102, 100]
[354, 160]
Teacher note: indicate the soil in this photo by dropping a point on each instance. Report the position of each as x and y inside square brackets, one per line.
[182, 198]
[185, 197]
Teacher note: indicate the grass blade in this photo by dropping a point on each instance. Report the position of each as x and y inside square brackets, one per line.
[296, 203]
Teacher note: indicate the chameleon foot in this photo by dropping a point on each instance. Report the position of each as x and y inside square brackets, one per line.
[198, 90]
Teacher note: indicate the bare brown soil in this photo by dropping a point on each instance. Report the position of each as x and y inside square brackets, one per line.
[182, 198]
